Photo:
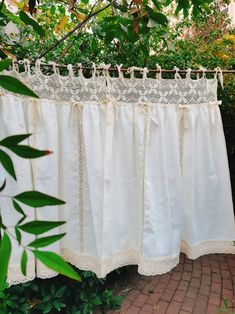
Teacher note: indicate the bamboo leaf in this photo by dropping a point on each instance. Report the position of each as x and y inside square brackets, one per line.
[18, 208]
[14, 85]
[14, 140]
[7, 163]
[21, 220]
[5, 253]
[3, 185]
[25, 151]
[2, 226]
[18, 235]
[56, 263]
[45, 241]
[37, 199]
[40, 226]
[24, 259]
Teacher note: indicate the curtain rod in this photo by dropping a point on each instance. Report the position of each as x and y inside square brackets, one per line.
[99, 68]
[127, 69]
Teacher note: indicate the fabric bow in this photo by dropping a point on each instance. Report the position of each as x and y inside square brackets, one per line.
[184, 113]
[77, 104]
[109, 109]
[145, 107]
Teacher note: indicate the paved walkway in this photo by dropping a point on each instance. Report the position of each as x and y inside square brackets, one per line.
[197, 287]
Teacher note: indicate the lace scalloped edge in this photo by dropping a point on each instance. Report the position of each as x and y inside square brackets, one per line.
[15, 276]
[146, 266]
[207, 247]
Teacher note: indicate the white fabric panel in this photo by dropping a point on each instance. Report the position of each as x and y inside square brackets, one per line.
[44, 127]
[207, 202]
[14, 120]
[141, 164]
[162, 210]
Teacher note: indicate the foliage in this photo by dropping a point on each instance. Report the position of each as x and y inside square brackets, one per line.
[117, 20]
[60, 295]
[207, 41]
[226, 308]
[35, 200]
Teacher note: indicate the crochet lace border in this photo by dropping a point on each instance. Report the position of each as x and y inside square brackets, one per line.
[146, 266]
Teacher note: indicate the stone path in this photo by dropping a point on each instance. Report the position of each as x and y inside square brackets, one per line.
[197, 287]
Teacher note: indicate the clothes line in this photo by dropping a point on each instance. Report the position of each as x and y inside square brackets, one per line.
[107, 67]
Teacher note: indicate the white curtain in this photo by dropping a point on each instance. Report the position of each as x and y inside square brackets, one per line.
[140, 162]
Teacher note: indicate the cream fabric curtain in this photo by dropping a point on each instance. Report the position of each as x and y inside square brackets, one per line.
[141, 164]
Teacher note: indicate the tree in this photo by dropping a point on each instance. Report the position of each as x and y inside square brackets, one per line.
[56, 22]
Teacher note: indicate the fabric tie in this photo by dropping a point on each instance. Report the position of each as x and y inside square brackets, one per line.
[183, 109]
[145, 107]
[109, 102]
[77, 104]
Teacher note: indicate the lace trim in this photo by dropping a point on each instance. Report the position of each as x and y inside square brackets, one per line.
[15, 276]
[44, 272]
[147, 113]
[158, 90]
[146, 266]
[207, 247]
[80, 176]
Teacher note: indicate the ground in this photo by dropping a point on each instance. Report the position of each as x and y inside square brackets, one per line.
[194, 286]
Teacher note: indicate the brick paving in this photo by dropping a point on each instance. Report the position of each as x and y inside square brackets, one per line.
[197, 287]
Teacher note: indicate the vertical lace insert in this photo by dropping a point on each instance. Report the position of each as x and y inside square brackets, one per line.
[145, 108]
[183, 111]
[80, 175]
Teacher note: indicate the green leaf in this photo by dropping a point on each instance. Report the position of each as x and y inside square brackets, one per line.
[157, 4]
[182, 5]
[21, 220]
[45, 241]
[59, 293]
[37, 199]
[225, 302]
[25, 151]
[7, 163]
[5, 253]
[3, 185]
[18, 235]
[52, 9]
[2, 226]
[14, 85]
[29, 21]
[18, 208]
[4, 64]
[14, 140]
[40, 226]
[24, 259]
[56, 263]
[96, 300]
[159, 18]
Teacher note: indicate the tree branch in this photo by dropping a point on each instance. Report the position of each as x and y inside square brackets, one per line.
[80, 25]
[73, 41]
